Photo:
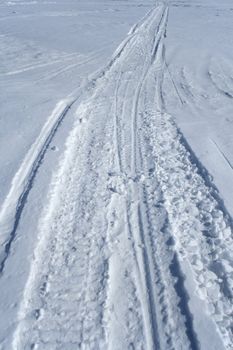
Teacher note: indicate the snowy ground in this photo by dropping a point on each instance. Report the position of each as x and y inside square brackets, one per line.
[116, 190]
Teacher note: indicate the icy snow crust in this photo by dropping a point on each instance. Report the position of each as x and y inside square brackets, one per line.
[133, 246]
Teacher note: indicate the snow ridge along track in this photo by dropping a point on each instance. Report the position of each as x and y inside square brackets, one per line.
[21, 185]
[129, 224]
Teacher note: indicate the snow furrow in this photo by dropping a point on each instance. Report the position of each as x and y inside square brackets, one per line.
[129, 213]
[155, 236]
[31, 329]
[22, 183]
[173, 315]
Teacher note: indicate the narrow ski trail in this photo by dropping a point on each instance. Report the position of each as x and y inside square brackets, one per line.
[132, 233]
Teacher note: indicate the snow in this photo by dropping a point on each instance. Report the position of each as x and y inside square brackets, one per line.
[199, 56]
[116, 190]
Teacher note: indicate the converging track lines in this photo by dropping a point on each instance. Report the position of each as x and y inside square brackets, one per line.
[128, 213]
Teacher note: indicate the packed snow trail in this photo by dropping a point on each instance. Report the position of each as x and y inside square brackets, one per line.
[132, 233]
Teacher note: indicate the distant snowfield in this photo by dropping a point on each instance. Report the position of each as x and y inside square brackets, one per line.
[116, 184]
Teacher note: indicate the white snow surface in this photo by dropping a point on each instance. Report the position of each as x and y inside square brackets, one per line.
[116, 186]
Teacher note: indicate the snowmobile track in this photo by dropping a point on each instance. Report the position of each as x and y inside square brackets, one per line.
[129, 222]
